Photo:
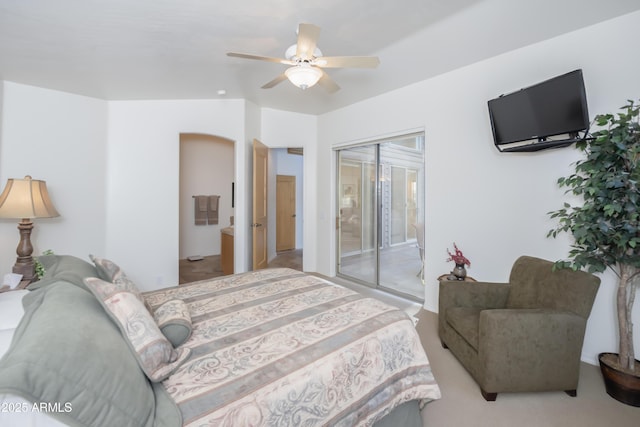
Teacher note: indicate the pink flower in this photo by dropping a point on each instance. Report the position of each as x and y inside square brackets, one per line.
[458, 257]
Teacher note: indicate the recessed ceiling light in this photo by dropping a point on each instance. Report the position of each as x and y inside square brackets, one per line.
[222, 92]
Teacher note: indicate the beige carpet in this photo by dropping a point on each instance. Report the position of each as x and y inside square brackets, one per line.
[462, 405]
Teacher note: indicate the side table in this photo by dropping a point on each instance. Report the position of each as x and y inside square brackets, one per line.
[446, 278]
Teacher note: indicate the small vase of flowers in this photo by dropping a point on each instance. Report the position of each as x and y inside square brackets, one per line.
[459, 271]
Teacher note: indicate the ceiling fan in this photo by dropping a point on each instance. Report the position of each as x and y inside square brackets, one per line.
[306, 62]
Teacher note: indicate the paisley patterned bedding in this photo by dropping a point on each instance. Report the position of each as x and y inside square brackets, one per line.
[278, 347]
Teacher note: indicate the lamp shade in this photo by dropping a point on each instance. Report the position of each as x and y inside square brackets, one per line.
[26, 198]
[303, 75]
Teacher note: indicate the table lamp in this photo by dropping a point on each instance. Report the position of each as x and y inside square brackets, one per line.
[26, 199]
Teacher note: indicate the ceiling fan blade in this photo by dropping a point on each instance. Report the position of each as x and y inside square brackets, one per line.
[307, 39]
[260, 58]
[347, 62]
[328, 84]
[282, 77]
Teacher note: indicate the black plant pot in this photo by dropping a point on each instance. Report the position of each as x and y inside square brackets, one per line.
[622, 386]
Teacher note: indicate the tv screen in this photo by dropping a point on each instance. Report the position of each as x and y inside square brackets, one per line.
[554, 107]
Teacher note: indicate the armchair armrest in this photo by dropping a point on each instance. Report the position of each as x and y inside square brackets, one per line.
[482, 295]
[530, 348]
[477, 295]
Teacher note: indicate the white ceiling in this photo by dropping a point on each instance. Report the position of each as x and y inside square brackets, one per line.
[176, 49]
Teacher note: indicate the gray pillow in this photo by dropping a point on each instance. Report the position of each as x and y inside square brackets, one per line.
[66, 349]
[63, 268]
[109, 271]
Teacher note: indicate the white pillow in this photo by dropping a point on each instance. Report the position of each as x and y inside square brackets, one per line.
[11, 312]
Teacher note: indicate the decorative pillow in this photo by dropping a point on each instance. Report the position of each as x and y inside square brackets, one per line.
[155, 354]
[111, 272]
[174, 320]
[107, 269]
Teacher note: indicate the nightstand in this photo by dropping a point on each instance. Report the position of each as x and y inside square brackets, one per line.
[22, 285]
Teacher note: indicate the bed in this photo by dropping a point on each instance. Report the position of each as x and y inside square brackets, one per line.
[274, 347]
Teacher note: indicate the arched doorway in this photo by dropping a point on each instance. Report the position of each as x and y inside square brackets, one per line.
[206, 169]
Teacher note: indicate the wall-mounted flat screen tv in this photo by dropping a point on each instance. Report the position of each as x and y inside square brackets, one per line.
[528, 119]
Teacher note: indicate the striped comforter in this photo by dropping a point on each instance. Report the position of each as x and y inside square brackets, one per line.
[278, 347]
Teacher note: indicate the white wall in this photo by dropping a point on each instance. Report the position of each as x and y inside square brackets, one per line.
[143, 190]
[59, 138]
[112, 171]
[206, 168]
[287, 129]
[493, 205]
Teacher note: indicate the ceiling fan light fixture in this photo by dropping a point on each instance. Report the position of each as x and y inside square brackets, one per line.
[304, 75]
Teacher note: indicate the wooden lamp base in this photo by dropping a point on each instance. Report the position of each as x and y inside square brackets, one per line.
[24, 263]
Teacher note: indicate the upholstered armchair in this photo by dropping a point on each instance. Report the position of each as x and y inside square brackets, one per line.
[525, 335]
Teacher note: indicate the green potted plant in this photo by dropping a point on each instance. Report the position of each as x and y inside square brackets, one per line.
[40, 269]
[606, 230]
